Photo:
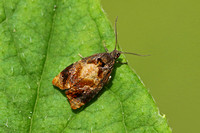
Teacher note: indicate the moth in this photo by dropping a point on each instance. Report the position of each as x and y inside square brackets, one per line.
[84, 79]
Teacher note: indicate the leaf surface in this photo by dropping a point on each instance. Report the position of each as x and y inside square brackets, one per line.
[38, 39]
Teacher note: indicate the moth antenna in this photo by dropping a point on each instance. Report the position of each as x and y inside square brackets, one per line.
[116, 41]
[116, 32]
[132, 53]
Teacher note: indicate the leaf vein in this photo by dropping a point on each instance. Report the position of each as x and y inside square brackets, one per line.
[122, 109]
[44, 64]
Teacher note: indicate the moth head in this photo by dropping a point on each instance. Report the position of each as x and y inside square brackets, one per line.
[115, 54]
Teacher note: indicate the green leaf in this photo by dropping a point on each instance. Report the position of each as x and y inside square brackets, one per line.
[38, 39]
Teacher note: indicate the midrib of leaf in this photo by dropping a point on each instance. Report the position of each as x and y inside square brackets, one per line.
[44, 65]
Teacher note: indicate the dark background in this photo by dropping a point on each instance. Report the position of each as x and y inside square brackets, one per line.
[168, 30]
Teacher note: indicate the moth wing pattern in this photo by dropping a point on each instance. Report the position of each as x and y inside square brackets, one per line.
[84, 79]
[60, 80]
[78, 97]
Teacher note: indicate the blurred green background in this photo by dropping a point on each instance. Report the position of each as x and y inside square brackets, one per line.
[168, 30]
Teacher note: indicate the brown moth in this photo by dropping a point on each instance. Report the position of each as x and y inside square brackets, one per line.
[83, 79]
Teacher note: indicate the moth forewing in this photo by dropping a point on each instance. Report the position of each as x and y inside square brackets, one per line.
[84, 79]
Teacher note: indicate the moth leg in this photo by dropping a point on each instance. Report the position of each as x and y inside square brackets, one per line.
[80, 55]
[109, 79]
[104, 44]
[121, 62]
